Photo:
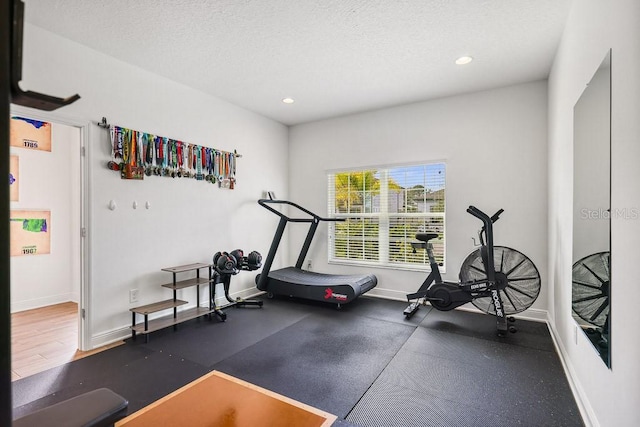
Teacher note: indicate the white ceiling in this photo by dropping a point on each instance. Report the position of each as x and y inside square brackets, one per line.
[334, 57]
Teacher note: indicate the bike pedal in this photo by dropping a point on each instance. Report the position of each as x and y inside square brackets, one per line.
[412, 308]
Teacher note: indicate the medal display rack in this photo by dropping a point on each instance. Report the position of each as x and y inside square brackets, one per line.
[136, 154]
[148, 326]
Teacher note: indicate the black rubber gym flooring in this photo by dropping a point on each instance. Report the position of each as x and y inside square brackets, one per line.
[365, 363]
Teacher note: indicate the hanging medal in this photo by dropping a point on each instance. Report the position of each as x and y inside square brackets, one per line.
[164, 171]
[190, 160]
[232, 171]
[209, 176]
[179, 158]
[133, 145]
[185, 160]
[220, 168]
[171, 156]
[167, 156]
[114, 149]
[125, 148]
[198, 151]
[140, 149]
[163, 157]
[170, 159]
[125, 152]
[119, 148]
[159, 155]
[203, 162]
[174, 158]
[215, 166]
[147, 144]
[185, 152]
[158, 168]
[225, 170]
[212, 163]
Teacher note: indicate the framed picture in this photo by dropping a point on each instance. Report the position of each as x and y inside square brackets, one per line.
[30, 232]
[30, 134]
[14, 178]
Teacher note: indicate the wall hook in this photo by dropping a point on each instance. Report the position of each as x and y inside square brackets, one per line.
[18, 96]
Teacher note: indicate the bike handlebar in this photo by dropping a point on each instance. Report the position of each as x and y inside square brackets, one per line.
[478, 214]
[496, 216]
[483, 216]
[487, 222]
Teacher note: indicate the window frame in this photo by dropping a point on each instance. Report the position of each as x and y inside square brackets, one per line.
[384, 220]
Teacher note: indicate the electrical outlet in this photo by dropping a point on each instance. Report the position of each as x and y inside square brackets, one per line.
[309, 265]
[133, 295]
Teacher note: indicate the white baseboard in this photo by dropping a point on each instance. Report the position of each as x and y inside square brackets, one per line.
[532, 314]
[43, 302]
[243, 293]
[387, 294]
[109, 337]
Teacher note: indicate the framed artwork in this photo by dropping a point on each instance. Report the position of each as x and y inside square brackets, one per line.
[30, 232]
[14, 182]
[30, 134]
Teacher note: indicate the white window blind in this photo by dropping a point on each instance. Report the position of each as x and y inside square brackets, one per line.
[382, 210]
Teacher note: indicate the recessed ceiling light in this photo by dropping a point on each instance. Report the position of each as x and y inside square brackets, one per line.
[463, 60]
[288, 100]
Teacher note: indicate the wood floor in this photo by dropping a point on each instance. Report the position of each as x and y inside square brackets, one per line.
[44, 338]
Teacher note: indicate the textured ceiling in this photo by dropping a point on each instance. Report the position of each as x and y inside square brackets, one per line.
[334, 57]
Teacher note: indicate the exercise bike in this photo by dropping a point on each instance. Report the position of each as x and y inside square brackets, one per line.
[496, 279]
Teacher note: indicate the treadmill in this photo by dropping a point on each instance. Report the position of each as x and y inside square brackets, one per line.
[294, 281]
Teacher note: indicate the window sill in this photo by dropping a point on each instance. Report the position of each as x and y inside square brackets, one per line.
[401, 267]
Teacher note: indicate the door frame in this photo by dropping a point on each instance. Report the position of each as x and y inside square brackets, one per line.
[84, 306]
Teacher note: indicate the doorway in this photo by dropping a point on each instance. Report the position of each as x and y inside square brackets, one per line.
[51, 188]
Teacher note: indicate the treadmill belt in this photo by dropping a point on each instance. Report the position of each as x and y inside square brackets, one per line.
[310, 278]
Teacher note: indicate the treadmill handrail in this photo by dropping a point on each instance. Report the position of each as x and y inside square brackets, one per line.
[314, 221]
[265, 202]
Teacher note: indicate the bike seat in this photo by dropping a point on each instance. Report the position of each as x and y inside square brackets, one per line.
[425, 237]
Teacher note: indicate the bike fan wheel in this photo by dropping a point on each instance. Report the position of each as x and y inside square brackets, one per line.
[590, 297]
[520, 279]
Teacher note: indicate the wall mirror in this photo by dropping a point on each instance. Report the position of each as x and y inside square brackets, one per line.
[592, 212]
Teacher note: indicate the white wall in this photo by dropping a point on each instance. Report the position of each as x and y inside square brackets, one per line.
[188, 221]
[50, 181]
[494, 145]
[610, 397]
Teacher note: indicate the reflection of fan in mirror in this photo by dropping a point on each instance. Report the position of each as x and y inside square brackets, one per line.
[591, 288]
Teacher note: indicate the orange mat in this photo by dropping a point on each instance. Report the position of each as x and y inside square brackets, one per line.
[220, 400]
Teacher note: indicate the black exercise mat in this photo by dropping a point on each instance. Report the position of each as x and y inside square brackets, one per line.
[326, 360]
[337, 359]
[207, 342]
[484, 355]
[388, 310]
[104, 364]
[530, 334]
[141, 382]
[387, 405]
[444, 379]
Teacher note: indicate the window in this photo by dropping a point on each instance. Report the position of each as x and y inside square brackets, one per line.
[381, 210]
